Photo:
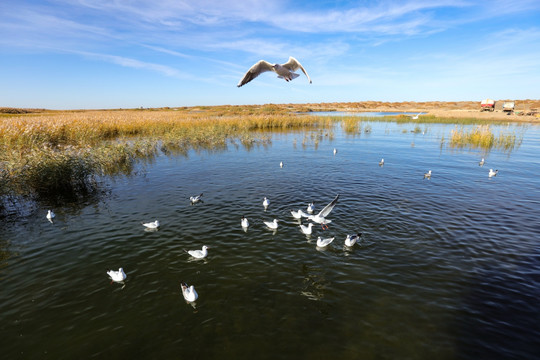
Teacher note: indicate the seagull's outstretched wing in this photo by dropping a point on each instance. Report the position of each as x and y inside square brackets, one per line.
[256, 70]
[294, 65]
[324, 212]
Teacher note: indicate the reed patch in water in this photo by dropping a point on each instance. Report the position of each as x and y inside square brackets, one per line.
[66, 152]
[482, 137]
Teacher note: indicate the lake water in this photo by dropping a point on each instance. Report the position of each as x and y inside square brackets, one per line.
[446, 268]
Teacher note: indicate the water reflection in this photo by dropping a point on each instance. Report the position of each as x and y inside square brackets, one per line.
[314, 285]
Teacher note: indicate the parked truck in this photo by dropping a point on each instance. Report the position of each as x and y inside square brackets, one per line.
[508, 107]
[487, 105]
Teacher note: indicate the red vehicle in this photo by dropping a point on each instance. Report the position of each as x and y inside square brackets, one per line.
[487, 105]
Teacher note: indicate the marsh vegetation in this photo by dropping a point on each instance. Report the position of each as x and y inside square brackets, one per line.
[66, 153]
[483, 137]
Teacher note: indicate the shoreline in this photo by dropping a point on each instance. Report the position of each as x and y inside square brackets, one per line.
[440, 109]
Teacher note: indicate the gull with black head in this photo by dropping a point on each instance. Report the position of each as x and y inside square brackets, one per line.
[284, 71]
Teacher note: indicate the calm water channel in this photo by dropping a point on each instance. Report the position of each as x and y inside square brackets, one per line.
[447, 268]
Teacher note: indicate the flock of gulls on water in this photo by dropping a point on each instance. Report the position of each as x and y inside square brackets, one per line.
[284, 71]
[189, 292]
[427, 175]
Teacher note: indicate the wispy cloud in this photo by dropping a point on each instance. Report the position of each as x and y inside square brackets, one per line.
[136, 64]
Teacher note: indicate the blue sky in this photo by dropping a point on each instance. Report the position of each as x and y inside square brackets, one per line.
[88, 54]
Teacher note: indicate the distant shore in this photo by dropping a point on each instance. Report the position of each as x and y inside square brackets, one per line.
[442, 109]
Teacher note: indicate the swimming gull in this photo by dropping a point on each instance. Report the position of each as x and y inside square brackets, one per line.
[482, 162]
[199, 254]
[272, 224]
[310, 208]
[307, 229]
[117, 276]
[284, 71]
[324, 242]
[350, 240]
[189, 292]
[195, 199]
[50, 215]
[298, 214]
[493, 172]
[244, 222]
[427, 175]
[151, 225]
[266, 202]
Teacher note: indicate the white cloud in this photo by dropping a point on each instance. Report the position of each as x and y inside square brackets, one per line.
[137, 64]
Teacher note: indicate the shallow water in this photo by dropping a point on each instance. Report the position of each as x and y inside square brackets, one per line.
[447, 268]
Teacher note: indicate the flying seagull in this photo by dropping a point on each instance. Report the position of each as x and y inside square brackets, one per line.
[320, 218]
[284, 71]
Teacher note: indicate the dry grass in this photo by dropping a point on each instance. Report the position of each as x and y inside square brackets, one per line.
[482, 137]
[66, 152]
[44, 153]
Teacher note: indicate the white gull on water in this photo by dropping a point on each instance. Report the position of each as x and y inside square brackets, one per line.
[307, 229]
[493, 172]
[117, 276]
[151, 225]
[50, 215]
[272, 224]
[244, 222]
[195, 199]
[199, 254]
[324, 242]
[298, 214]
[350, 240]
[189, 292]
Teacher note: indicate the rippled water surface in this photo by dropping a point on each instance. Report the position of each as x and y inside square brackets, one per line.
[446, 268]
